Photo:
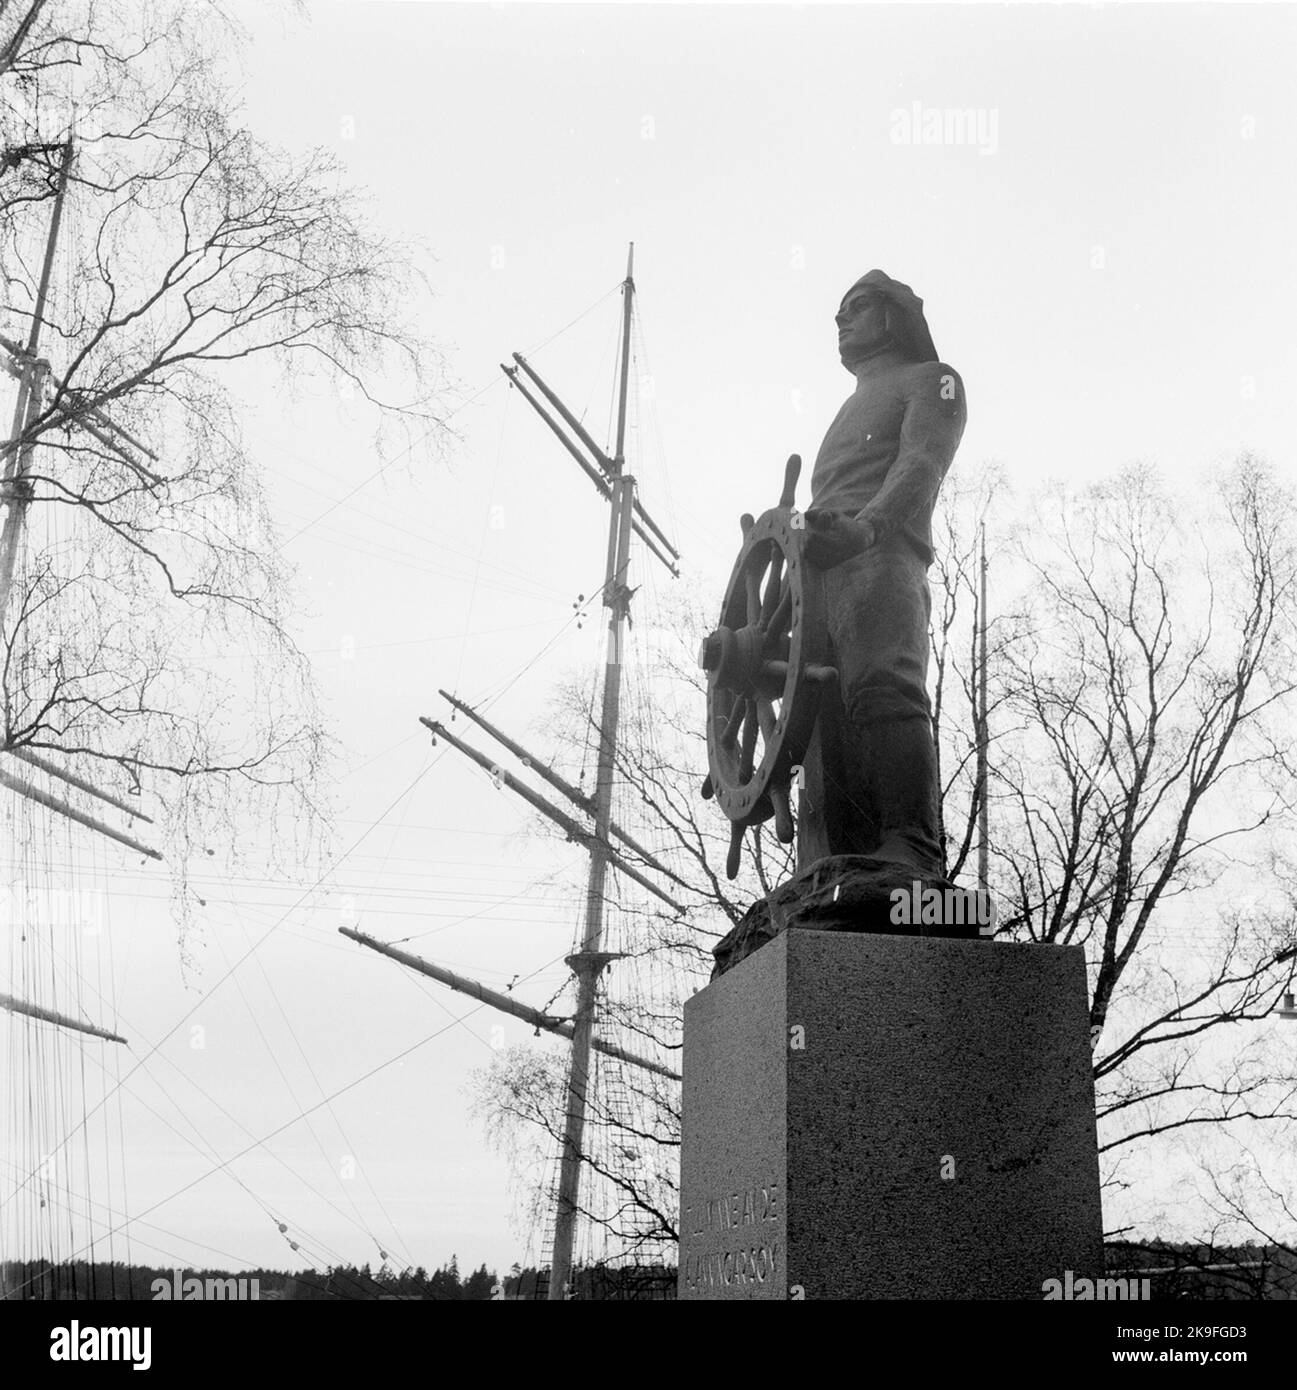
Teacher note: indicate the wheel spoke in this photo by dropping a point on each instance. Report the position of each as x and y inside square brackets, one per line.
[753, 581]
[774, 670]
[766, 718]
[779, 618]
[738, 712]
[749, 744]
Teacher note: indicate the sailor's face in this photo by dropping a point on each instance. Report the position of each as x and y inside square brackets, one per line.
[862, 321]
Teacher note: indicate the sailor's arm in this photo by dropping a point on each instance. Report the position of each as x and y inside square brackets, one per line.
[930, 433]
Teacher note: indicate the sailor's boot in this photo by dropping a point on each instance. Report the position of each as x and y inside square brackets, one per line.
[899, 760]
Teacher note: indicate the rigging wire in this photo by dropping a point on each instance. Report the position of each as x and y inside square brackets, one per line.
[256, 946]
[409, 449]
[204, 1147]
[288, 1124]
[481, 547]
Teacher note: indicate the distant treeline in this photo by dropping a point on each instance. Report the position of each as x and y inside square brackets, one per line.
[1204, 1272]
[598, 1283]
[80, 1280]
[1176, 1270]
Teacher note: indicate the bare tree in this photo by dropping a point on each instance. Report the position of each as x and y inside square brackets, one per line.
[630, 1185]
[1141, 679]
[146, 636]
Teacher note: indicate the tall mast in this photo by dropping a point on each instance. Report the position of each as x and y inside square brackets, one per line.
[983, 852]
[31, 390]
[33, 375]
[588, 963]
[628, 518]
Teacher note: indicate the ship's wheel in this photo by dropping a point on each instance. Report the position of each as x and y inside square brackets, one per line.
[765, 672]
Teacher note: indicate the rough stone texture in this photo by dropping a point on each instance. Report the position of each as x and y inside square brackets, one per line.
[735, 1100]
[844, 892]
[917, 1050]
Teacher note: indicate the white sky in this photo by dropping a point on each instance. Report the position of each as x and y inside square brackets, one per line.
[1113, 278]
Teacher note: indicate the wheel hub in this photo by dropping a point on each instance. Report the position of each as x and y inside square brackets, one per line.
[735, 658]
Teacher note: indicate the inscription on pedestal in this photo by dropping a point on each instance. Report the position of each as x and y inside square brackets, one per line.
[742, 1236]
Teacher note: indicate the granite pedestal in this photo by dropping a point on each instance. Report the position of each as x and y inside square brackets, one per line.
[872, 1116]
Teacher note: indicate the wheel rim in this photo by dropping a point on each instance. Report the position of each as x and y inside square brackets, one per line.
[761, 708]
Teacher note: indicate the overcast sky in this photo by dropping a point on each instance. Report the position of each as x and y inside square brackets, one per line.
[1106, 257]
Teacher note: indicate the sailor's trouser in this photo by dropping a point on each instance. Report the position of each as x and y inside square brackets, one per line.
[877, 607]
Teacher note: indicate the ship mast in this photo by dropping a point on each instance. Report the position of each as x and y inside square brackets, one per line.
[588, 963]
[628, 517]
[983, 833]
[35, 382]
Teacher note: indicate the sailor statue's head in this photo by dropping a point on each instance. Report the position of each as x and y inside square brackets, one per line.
[881, 315]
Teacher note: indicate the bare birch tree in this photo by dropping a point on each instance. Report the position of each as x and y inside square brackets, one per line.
[146, 639]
